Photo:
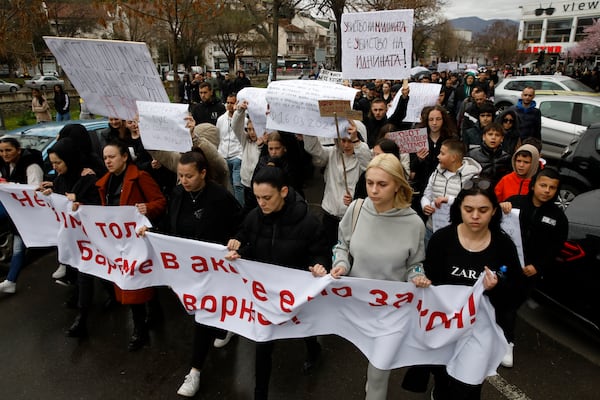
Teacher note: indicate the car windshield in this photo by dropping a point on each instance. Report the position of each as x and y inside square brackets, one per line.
[37, 77]
[35, 142]
[576, 86]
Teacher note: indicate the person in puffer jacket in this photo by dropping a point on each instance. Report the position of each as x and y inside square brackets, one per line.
[447, 180]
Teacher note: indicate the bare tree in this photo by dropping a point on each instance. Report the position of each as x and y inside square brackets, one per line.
[498, 42]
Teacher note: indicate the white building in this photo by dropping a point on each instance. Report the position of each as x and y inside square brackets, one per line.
[556, 28]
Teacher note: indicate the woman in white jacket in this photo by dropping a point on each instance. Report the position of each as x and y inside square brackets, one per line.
[339, 191]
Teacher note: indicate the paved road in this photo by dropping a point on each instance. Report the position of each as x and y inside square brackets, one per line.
[39, 362]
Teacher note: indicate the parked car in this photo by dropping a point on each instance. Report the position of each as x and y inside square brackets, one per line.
[579, 166]
[579, 261]
[508, 92]
[43, 82]
[565, 118]
[41, 137]
[8, 86]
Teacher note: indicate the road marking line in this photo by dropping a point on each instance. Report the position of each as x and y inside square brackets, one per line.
[511, 392]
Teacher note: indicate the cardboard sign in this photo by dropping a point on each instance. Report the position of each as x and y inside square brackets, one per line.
[410, 141]
[377, 44]
[110, 75]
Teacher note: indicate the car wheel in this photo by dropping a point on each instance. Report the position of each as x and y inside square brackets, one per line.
[566, 195]
[13, 89]
[501, 107]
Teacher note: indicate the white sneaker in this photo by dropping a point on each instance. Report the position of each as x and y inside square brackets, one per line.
[222, 342]
[60, 272]
[190, 385]
[8, 287]
[507, 361]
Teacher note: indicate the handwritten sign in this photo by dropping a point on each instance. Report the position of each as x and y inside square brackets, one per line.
[330, 76]
[257, 107]
[110, 75]
[421, 95]
[410, 141]
[453, 66]
[162, 126]
[511, 225]
[377, 44]
[294, 106]
[331, 108]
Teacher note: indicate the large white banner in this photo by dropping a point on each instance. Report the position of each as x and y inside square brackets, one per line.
[394, 324]
[377, 44]
[294, 107]
[110, 75]
[162, 126]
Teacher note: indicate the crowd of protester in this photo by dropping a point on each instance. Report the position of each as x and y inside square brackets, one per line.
[245, 189]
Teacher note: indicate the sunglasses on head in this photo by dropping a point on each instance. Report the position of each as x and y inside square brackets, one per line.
[478, 183]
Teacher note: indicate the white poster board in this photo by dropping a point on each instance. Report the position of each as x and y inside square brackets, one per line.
[421, 95]
[441, 67]
[294, 107]
[377, 44]
[453, 66]
[257, 107]
[110, 75]
[411, 140]
[511, 225]
[162, 126]
[441, 217]
[330, 76]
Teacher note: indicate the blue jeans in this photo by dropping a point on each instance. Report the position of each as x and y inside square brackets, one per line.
[17, 260]
[235, 165]
[63, 117]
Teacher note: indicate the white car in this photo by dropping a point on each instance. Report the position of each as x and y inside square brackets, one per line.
[8, 86]
[44, 82]
[508, 92]
[565, 118]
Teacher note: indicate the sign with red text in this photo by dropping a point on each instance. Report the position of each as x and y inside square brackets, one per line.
[393, 323]
[411, 140]
[377, 44]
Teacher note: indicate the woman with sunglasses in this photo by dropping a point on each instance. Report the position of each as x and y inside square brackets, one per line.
[510, 124]
[459, 253]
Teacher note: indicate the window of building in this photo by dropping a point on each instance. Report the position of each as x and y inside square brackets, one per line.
[533, 31]
[582, 23]
[559, 30]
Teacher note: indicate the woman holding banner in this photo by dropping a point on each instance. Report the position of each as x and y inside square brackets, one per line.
[200, 209]
[381, 238]
[124, 184]
[17, 165]
[280, 231]
[457, 255]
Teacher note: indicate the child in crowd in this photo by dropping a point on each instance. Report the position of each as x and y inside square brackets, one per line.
[472, 136]
[447, 180]
[495, 162]
[525, 162]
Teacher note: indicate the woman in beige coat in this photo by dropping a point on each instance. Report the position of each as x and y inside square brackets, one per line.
[40, 107]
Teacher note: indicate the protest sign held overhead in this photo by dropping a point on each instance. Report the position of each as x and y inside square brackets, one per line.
[377, 44]
[162, 126]
[411, 140]
[294, 106]
[257, 107]
[421, 95]
[330, 76]
[110, 75]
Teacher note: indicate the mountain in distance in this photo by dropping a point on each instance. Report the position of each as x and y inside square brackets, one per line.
[476, 24]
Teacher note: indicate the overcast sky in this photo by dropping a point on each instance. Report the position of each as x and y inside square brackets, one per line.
[486, 9]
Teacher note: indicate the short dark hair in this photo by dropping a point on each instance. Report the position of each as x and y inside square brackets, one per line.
[388, 146]
[456, 146]
[205, 85]
[12, 141]
[477, 186]
[195, 156]
[494, 126]
[271, 175]
[487, 107]
[523, 153]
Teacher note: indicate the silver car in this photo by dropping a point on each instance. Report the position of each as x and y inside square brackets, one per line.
[8, 86]
[565, 118]
[44, 82]
[508, 91]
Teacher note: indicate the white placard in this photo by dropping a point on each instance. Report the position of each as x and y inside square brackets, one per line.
[441, 217]
[453, 66]
[257, 107]
[411, 140]
[330, 76]
[294, 107]
[421, 95]
[110, 75]
[162, 126]
[377, 44]
[442, 67]
[511, 225]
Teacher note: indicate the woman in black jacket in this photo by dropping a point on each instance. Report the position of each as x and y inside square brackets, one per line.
[281, 231]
